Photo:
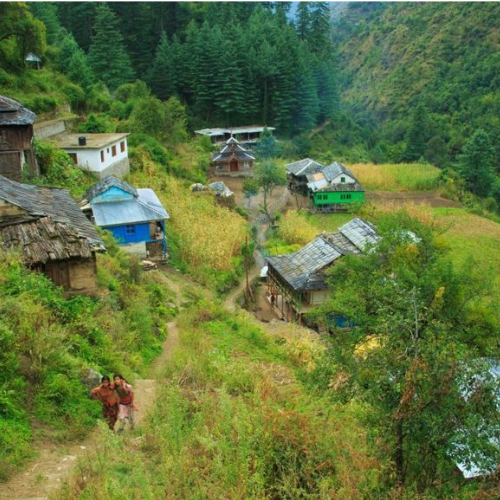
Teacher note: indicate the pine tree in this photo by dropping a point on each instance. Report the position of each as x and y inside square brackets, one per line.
[107, 54]
[476, 164]
[267, 147]
[417, 135]
[79, 70]
[304, 20]
[47, 13]
[319, 33]
[162, 77]
[328, 89]
[78, 18]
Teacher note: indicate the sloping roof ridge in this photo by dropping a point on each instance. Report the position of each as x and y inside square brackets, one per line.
[152, 206]
[109, 182]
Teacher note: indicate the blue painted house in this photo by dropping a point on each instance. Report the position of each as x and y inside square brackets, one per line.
[136, 217]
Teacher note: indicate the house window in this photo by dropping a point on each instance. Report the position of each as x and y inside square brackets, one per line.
[113, 150]
[102, 156]
[130, 229]
[122, 147]
[342, 179]
[107, 150]
[74, 158]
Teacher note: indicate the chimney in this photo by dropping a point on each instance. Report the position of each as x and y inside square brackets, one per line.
[82, 141]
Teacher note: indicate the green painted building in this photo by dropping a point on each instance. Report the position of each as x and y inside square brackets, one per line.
[334, 188]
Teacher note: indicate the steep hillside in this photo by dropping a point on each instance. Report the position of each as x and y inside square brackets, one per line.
[443, 56]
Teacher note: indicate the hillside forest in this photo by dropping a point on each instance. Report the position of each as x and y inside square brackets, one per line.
[393, 402]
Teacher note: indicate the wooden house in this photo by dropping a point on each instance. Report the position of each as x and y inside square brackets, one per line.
[297, 172]
[233, 158]
[334, 188]
[297, 282]
[101, 154]
[48, 229]
[245, 135]
[135, 217]
[16, 140]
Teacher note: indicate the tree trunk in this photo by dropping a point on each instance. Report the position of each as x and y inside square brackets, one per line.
[398, 455]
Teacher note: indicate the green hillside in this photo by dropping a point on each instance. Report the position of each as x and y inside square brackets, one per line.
[443, 56]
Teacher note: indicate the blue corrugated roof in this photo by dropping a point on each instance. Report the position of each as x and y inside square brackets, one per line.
[146, 207]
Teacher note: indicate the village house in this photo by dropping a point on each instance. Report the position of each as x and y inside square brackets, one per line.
[135, 217]
[16, 140]
[51, 234]
[101, 154]
[244, 135]
[296, 283]
[297, 172]
[333, 188]
[233, 158]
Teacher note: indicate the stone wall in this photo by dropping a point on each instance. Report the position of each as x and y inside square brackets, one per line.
[119, 169]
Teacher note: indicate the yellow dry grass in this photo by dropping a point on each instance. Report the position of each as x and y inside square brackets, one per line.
[396, 177]
[294, 229]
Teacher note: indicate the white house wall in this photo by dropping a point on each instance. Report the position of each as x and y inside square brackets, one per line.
[90, 159]
[348, 179]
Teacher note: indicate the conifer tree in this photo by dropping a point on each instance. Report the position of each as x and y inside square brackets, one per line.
[417, 135]
[47, 13]
[318, 35]
[162, 77]
[476, 164]
[303, 19]
[328, 90]
[107, 54]
[78, 19]
[79, 70]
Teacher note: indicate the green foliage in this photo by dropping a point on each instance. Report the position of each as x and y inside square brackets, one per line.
[268, 176]
[56, 339]
[408, 352]
[96, 124]
[476, 164]
[20, 33]
[267, 147]
[107, 55]
[58, 169]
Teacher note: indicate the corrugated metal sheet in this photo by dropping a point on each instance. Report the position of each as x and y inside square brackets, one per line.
[146, 207]
[49, 202]
[360, 233]
[13, 112]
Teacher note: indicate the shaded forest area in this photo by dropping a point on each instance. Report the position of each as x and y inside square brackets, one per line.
[230, 63]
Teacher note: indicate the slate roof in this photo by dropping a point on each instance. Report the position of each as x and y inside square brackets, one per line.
[304, 167]
[146, 207]
[232, 148]
[13, 112]
[107, 183]
[304, 270]
[210, 132]
[41, 202]
[322, 181]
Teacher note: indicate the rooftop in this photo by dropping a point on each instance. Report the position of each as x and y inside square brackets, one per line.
[304, 270]
[94, 141]
[145, 207]
[107, 183]
[211, 132]
[304, 167]
[41, 202]
[13, 112]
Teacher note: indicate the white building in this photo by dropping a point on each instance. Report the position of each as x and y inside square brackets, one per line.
[101, 154]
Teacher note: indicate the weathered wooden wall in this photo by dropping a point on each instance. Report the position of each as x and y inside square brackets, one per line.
[16, 138]
[11, 164]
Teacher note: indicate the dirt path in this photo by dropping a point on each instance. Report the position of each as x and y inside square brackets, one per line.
[45, 474]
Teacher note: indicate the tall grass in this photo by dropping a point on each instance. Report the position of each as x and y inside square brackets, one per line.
[233, 422]
[396, 177]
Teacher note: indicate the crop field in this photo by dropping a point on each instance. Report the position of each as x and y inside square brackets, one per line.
[400, 177]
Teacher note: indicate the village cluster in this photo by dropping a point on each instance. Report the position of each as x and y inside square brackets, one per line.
[57, 236]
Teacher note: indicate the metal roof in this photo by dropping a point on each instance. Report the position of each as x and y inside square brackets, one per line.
[107, 183]
[48, 202]
[304, 167]
[13, 112]
[211, 132]
[322, 181]
[145, 208]
[304, 270]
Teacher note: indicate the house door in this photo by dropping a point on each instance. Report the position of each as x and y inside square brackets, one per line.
[74, 158]
[233, 165]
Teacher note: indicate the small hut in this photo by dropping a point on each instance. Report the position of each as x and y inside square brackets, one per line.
[233, 158]
[51, 233]
[16, 139]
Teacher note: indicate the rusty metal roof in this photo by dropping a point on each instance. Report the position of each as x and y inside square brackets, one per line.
[55, 203]
[13, 112]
